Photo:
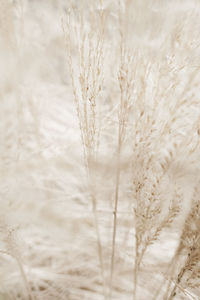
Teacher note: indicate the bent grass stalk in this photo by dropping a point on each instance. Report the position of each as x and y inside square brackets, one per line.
[23, 275]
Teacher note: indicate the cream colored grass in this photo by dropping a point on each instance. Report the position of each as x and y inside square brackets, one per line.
[99, 150]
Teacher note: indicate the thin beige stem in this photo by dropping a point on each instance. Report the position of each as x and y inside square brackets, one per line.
[135, 272]
[117, 183]
[99, 247]
[95, 215]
